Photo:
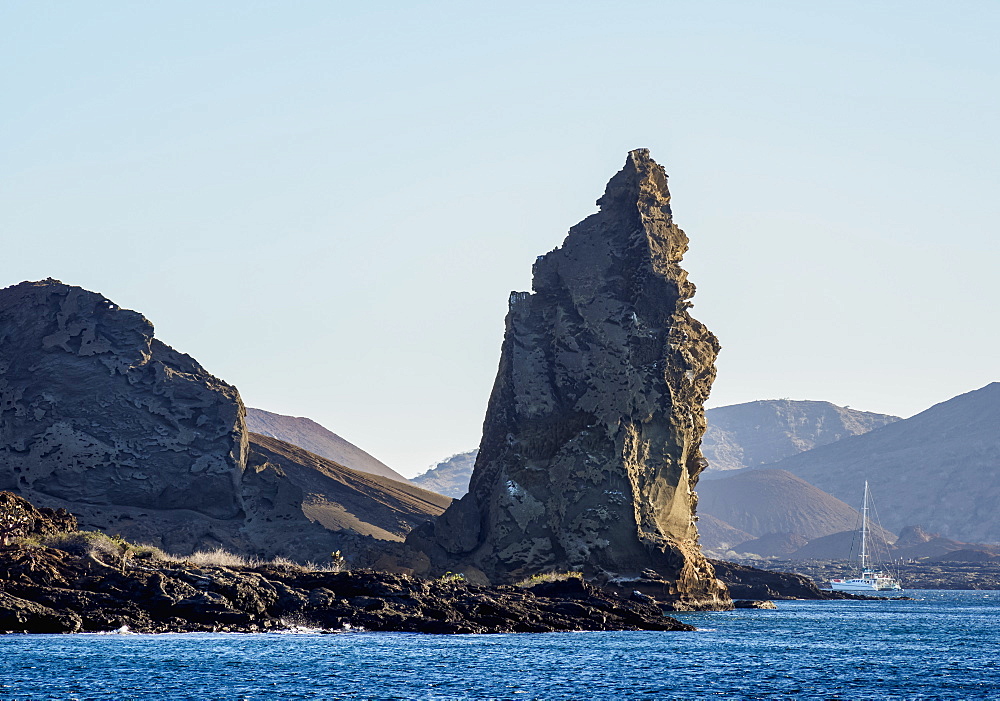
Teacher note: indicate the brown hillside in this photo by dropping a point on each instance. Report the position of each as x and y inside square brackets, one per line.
[718, 537]
[938, 469]
[307, 434]
[774, 501]
[340, 498]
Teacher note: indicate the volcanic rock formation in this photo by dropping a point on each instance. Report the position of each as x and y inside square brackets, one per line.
[94, 409]
[81, 582]
[590, 449]
[99, 417]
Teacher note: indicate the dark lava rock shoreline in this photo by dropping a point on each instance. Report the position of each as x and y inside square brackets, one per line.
[93, 583]
[44, 590]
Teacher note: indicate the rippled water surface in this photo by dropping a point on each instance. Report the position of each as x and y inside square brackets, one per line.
[942, 645]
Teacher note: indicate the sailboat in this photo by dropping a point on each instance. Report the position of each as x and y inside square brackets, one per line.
[870, 579]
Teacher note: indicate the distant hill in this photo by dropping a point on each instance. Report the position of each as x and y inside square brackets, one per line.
[763, 432]
[939, 469]
[763, 502]
[450, 476]
[840, 546]
[342, 499]
[913, 543]
[718, 537]
[317, 439]
[776, 545]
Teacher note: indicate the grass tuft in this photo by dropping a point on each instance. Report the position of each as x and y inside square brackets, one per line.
[88, 544]
[221, 558]
[115, 550]
[547, 577]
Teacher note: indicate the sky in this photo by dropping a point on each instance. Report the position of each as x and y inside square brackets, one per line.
[328, 204]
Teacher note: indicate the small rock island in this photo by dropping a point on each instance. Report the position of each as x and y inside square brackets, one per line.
[591, 444]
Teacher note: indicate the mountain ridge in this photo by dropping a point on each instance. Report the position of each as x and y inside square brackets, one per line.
[316, 438]
[937, 469]
[762, 432]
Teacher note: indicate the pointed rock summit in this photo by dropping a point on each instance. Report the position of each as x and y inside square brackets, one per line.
[591, 443]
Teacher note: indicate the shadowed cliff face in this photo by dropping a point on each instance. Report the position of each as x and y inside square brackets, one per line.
[590, 448]
[93, 409]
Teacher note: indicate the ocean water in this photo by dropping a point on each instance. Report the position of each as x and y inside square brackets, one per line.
[942, 645]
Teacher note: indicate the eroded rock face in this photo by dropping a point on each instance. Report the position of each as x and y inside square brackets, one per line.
[100, 418]
[590, 449]
[94, 409]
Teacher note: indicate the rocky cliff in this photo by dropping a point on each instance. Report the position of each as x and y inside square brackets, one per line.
[590, 449]
[99, 417]
[94, 409]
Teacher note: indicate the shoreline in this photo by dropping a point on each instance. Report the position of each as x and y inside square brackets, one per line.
[45, 590]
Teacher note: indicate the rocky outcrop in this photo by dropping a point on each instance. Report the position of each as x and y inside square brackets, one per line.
[100, 418]
[94, 409]
[19, 519]
[590, 449]
[318, 439]
[750, 582]
[162, 598]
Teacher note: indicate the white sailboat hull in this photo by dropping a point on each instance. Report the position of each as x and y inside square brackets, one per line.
[866, 584]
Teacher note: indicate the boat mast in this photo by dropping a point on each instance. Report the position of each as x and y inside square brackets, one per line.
[864, 530]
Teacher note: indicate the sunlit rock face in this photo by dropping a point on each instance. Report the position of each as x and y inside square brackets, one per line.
[94, 409]
[590, 449]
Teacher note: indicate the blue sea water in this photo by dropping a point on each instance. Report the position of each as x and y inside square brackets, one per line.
[942, 645]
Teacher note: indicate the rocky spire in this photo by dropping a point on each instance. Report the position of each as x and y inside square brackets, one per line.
[591, 443]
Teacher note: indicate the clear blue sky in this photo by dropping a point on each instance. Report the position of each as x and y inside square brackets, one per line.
[328, 203]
